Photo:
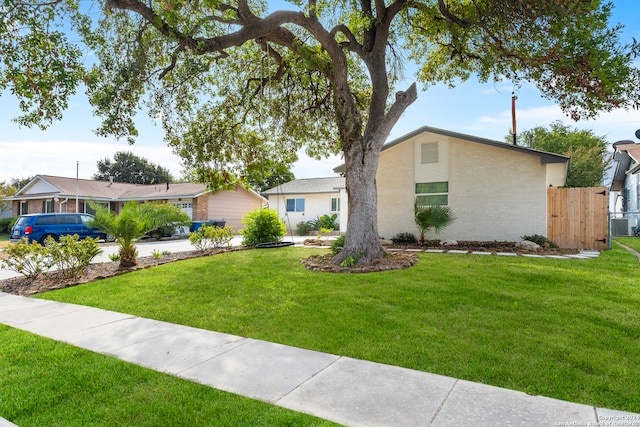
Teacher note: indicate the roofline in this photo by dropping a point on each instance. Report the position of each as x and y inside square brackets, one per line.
[274, 191]
[545, 156]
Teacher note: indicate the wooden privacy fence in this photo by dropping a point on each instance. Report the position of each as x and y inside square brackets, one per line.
[577, 217]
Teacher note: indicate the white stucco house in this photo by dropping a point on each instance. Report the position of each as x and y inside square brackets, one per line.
[303, 200]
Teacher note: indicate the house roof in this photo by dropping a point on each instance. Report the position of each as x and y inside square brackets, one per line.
[545, 157]
[47, 185]
[627, 158]
[307, 186]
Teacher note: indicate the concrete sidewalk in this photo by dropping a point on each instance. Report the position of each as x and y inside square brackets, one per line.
[341, 389]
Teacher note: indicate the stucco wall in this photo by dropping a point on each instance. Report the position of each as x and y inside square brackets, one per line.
[495, 194]
[231, 206]
[315, 205]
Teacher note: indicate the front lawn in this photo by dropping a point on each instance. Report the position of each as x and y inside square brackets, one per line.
[568, 329]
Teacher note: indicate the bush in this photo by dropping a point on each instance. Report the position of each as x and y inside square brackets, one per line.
[304, 228]
[28, 259]
[337, 245]
[163, 231]
[262, 226]
[70, 255]
[404, 239]
[540, 240]
[325, 221]
[211, 237]
[6, 224]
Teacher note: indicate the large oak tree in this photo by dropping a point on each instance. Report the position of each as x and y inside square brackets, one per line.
[235, 81]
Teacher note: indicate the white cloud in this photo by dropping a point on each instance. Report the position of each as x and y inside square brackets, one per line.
[614, 126]
[27, 158]
[307, 167]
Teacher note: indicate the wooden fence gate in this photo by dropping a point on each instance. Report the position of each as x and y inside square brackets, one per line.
[577, 217]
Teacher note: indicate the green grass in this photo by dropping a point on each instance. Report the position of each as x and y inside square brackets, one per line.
[632, 242]
[568, 329]
[46, 383]
[4, 237]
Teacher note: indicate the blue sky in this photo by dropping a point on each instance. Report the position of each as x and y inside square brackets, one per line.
[470, 108]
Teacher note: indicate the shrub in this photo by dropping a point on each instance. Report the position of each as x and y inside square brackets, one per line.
[163, 231]
[210, 237]
[304, 228]
[337, 245]
[6, 224]
[432, 217]
[325, 221]
[28, 259]
[262, 226]
[404, 239]
[70, 255]
[540, 240]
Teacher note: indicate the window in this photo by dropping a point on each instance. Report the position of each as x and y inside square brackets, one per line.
[429, 153]
[432, 193]
[335, 204]
[295, 205]
[24, 208]
[47, 206]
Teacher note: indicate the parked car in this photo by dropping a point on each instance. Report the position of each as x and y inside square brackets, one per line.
[37, 227]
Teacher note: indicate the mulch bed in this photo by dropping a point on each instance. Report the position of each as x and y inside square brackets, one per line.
[53, 280]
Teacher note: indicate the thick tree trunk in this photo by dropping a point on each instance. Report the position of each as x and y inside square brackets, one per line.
[361, 154]
[362, 242]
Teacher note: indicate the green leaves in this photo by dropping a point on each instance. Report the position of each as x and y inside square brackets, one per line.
[39, 65]
[587, 151]
[134, 222]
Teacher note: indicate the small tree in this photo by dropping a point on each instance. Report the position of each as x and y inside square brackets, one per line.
[432, 217]
[262, 226]
[134, 222]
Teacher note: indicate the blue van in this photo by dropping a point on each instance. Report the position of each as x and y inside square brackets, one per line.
[37, 227]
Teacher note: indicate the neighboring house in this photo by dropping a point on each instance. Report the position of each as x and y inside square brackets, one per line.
[6, 214]
[46, 193]
[496, 190]
[625, 188]
[306, 199]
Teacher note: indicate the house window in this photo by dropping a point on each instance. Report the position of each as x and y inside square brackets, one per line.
[432, 193]
[47, 206]
[429, 153]
[295, 205]
[335, 204]
[24, 208]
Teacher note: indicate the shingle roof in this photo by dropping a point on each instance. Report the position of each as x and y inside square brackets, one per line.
[627, 159]
[308, 186]
[545, 157]
[101, 190]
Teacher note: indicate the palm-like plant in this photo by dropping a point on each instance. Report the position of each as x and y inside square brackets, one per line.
[432, 217]
[134, 222]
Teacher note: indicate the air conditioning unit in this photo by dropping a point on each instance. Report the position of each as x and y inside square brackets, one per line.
[619, 227]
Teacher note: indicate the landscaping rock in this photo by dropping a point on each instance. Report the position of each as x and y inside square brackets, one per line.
[527, 245]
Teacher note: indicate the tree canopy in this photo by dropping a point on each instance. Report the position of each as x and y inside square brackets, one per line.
[588, 152]
[127, 167]
[236, 81]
